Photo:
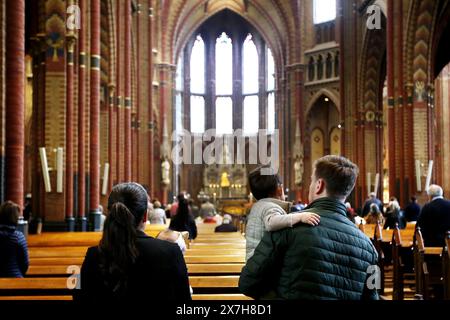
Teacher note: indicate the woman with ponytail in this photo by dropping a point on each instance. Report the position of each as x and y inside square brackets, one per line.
[128, 265]
[183, 220]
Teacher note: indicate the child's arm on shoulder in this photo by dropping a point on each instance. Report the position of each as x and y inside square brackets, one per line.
[306, 218]
[275, 220]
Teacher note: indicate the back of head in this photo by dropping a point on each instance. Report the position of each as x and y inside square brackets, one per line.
[372, 195]
[339, 175]
[9, 213]
[127, 205]
[374, 209]
[226, 219]
[183, 208]
[157, 204]
[435, 191]
[263, 186]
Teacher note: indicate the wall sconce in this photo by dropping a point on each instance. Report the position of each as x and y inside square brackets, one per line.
[105, 179]
[45, 170]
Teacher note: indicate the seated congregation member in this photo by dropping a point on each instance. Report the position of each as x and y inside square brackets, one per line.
[207, 210]
[13, 245]
[434, 219]
[329, 261]
[157, 215]
[372, 199]
[183, 220]
[128, 265]
[412, 210]
[394, 216]
[269, 213]
[375, 216]
[226, 225]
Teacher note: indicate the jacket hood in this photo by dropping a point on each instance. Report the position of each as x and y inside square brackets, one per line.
[328, 204]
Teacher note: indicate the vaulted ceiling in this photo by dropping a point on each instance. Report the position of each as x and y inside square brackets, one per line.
[278, 21]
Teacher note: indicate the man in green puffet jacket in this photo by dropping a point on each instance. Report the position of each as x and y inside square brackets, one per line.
[331, 261]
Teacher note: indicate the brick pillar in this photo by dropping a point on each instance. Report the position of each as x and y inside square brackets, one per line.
[150, 100]
[119, 134]
[391, 93]
[82, 221]
[94, 192]
[15, 101]
[128, 102]
[70, 40]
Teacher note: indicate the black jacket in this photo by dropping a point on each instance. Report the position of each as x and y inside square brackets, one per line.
[330, 261]
[159, 273]
[177, 224]
[226, 227]
[412, 212]
[434, 222]
[13, 253]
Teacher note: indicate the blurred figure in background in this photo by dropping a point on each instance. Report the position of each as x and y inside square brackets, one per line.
[226, 225]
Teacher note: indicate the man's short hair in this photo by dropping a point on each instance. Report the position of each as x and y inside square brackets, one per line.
[339, 175]
[435, 191]
[373, 195]
[263, 186]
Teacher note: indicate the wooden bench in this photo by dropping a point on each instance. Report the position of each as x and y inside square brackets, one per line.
[193, 269]
[430, 267]
[446, 266]
[57, 288]
[56, 252]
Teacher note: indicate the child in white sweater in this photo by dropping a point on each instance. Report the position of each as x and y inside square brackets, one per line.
[269, 213]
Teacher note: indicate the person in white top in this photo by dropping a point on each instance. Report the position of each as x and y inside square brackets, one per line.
[157, 215]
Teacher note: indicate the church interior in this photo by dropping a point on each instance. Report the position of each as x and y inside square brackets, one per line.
[94, 93]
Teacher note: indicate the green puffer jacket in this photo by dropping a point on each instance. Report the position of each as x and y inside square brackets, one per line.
[329, 261]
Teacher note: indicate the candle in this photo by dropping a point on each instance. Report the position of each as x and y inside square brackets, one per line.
[430, 171]
[105, 179]
[368, 182]
[377, 183]
[44, 164]
[59, 170]
[418, 176]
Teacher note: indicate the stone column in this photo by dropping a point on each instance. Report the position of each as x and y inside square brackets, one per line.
[70, 41]
[128, 103]
[82, 221]
[94, 192]
[15, 101]
[391, 92]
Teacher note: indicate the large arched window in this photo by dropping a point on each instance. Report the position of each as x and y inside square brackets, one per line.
[224, 85]
[229, 78]
[197, 86]
[179, 96]
[270, 92]
[250, 88]
[324, 11]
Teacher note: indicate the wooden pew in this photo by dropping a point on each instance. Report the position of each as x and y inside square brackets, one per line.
[446, 267]
[427, 272]
[193, 269]
[56, 252]
[57, 288]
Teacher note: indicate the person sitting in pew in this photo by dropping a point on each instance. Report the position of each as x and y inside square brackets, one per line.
[394, 216]
[13, 245]
[226, 225]
[128, 265]
[412, 210]
[434, 219]
[375, 216]
[183, 220]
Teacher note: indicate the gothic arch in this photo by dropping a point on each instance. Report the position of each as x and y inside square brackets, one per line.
[333, 96]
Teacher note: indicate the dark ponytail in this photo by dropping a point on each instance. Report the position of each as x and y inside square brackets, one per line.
[127, 205]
